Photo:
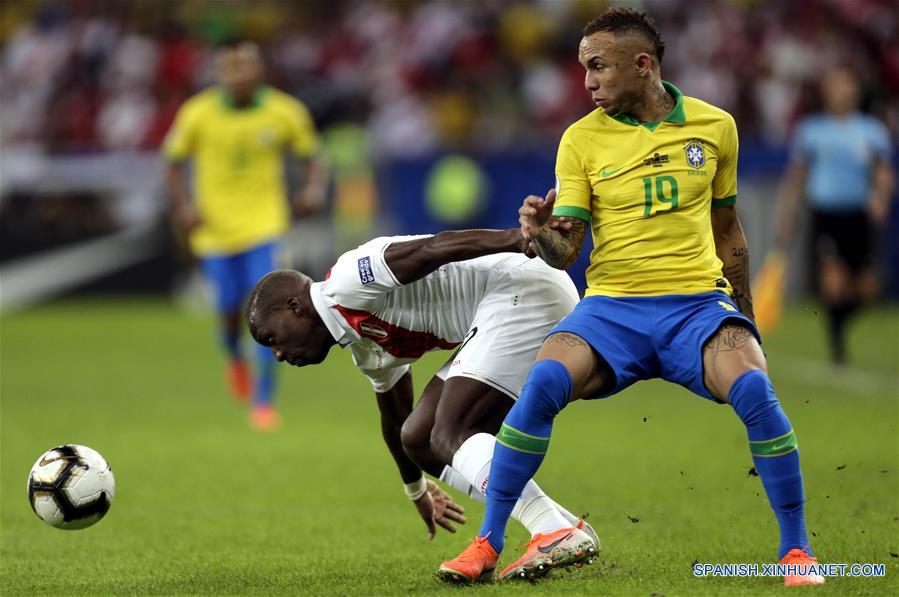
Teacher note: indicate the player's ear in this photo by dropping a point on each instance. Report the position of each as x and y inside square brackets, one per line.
[293, 303]
[643, 64]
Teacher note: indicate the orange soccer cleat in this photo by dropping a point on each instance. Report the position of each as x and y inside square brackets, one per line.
[476, 564]
[239, 380]
[800, 557]
[264, 417]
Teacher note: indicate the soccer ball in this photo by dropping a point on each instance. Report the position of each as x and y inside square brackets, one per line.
[71, 487]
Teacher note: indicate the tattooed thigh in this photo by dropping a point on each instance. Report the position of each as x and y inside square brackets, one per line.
[566, 339]
[589, 372]
[730, 337]
[732, 351]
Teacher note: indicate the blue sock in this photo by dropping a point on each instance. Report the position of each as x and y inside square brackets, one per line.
[774, 452]
[521, 444]
[265, 375]
[231, 342]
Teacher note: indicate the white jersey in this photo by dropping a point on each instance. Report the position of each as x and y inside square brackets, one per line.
[387, 325]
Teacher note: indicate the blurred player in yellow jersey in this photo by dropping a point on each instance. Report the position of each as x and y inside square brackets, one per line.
[235, 134]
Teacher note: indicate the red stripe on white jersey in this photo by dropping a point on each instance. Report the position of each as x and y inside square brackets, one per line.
[397, 341]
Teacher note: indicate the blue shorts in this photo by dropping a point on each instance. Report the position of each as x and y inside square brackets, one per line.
[653, 336]
[232, 277]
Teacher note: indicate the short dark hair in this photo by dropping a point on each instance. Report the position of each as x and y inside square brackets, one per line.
[267, 294]
[232, 43]
[628, 20]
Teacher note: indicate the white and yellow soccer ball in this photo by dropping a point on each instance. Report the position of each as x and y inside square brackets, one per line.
[71, 487]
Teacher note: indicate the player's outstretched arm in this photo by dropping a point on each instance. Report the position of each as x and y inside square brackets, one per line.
[435, 506]
[395, 406]
[414, 259]
[733, 251]
[557, 240]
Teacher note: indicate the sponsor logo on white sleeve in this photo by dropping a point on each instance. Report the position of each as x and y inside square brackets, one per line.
[366, 276]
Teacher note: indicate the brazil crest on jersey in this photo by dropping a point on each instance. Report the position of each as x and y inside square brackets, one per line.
[648, 189]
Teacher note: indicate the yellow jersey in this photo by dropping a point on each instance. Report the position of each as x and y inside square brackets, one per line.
[238, 173]
[648, 189]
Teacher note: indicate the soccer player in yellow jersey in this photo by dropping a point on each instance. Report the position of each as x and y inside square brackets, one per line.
[654, 173]
[236, 134]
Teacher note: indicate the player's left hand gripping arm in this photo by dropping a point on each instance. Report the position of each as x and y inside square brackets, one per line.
[414, 259]
[435, 506]
[733, 251]
[556, 239]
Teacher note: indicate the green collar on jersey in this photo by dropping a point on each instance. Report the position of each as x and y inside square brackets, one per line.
[677, 115]
[259, 95]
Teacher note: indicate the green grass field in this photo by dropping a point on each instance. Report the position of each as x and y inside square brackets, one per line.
[206, 506]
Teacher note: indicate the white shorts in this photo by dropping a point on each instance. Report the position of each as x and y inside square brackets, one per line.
[512, 320]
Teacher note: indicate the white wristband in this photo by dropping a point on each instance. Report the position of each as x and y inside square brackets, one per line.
[416, 489]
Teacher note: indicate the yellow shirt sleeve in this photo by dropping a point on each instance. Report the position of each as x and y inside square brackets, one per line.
[180, 141]
[573, 189]
[302, 134]
[724, 185]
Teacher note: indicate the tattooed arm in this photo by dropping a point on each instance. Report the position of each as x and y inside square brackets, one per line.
[560, 246]
[730, 244]
[557, 240]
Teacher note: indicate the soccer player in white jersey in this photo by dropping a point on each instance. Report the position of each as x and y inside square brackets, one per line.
[395, 298]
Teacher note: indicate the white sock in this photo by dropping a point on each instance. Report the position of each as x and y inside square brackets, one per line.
[534, 509]
[571, 518]
[454, 479]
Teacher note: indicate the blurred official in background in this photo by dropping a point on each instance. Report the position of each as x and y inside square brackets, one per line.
[235, 135]
[841, 164]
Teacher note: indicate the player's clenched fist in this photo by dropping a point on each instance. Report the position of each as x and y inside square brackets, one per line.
[436, 507]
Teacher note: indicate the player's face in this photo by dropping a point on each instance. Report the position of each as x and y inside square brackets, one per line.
[840, 91]
[612, 77]
[295, 338]
[239, 70]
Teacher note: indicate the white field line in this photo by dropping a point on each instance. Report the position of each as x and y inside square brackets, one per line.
[42, 276]
[826, 375]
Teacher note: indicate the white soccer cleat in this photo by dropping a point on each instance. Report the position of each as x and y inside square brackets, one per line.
[565, 547]
[583, 525]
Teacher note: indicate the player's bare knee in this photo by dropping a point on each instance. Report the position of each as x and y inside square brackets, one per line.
[589, 372]
[731, 352]
[416, 438]
[445, 440]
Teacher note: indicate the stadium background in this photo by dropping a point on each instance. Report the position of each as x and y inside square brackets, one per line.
[435, 115]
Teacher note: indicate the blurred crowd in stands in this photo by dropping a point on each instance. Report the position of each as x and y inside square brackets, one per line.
[97, 75]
